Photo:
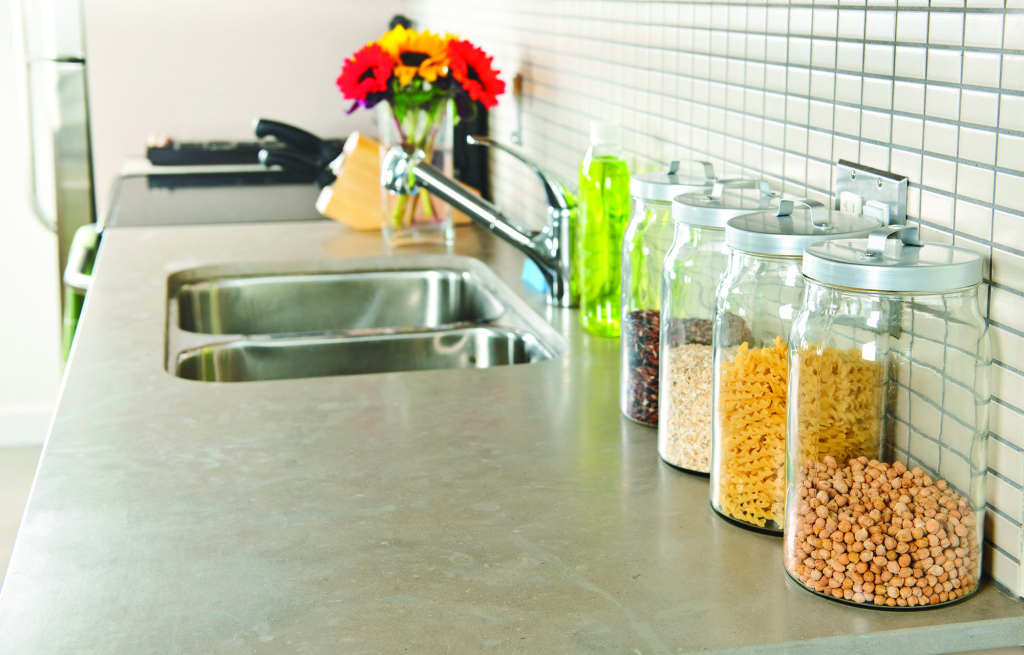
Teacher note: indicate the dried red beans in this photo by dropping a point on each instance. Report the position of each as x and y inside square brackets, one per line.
[640, 335]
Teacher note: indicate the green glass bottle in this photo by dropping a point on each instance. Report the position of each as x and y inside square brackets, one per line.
[604, 212]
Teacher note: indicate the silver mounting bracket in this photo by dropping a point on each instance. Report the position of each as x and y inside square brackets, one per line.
[864, 190]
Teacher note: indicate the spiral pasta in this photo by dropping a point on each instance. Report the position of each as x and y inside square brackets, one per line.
[838, 404]
[752, 433]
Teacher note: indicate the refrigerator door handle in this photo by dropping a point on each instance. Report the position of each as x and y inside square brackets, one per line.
[83, 250]
[49, 222]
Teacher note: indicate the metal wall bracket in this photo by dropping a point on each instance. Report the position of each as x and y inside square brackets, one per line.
[861, 189]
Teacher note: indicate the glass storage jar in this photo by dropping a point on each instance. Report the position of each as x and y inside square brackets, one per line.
[693, 268]
[755, 305]
[888, 423]
[645, 243]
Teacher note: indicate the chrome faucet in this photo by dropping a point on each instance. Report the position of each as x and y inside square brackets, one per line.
[404, 173]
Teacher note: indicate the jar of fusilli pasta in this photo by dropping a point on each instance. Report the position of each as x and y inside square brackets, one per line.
[647, 239]
[693, 268]
[888, 422]
[755, 305]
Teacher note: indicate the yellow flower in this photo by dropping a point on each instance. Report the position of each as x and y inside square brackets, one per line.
[415, 53]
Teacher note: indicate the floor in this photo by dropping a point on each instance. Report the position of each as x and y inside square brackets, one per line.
[18, 466]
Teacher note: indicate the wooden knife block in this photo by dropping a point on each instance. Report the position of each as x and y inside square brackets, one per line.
[355, 197]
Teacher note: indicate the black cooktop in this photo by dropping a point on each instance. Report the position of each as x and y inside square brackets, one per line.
[250, 196]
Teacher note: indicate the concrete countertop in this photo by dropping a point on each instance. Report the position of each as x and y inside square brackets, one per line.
[510, 509]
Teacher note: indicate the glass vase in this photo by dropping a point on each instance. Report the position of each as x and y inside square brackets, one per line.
[420, 218]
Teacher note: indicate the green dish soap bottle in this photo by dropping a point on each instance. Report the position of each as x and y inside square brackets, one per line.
[604, 212]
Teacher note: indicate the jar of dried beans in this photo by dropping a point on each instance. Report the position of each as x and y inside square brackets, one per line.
[888, 422]
[755, 305]
[646, 241]
[693, 269]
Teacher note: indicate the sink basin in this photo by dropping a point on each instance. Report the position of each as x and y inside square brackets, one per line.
[282, 359]
[351, 317]
[270, 304]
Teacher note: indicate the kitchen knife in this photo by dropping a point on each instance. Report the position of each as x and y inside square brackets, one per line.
[296, 162]
[321, 150]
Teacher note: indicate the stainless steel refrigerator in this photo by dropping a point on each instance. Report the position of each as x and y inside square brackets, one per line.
[56, 110]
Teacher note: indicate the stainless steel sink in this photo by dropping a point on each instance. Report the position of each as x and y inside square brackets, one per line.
[351, 317]
[283, 359]
[270, 304]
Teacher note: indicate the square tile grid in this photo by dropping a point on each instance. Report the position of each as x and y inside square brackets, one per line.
[933, 91]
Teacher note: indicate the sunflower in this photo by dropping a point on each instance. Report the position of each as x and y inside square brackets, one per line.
[471, 68]
[415, 53]
[364, 77]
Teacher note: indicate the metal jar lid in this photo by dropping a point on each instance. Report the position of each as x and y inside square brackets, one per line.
[879, 263]
[666, 185]
[794, 226]
[728, 199]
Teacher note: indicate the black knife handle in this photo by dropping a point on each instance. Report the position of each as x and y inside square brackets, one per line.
[298, 163]
[309, 143]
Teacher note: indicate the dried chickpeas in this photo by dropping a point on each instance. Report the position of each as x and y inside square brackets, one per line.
[881, 534]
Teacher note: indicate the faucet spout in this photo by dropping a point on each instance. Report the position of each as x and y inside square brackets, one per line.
[406, 173]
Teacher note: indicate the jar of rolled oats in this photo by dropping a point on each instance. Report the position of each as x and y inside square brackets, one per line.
[693, 268]
[888, 422]
[756, 302]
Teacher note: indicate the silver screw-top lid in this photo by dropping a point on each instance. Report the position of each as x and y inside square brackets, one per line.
[794, 226]
[666, 185]
[879, 263]
[727, 199]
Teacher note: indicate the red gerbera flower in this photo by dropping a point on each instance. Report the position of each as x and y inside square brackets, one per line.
[471, 68]
[366, 72]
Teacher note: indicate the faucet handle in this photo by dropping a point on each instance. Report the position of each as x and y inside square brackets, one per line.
[557, 195]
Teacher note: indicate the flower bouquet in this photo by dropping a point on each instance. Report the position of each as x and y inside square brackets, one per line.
[416, 78]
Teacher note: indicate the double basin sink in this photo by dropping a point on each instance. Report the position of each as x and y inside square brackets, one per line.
[351, 317]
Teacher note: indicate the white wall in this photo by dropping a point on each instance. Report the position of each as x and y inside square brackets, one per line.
[30, 356]
[201, 70]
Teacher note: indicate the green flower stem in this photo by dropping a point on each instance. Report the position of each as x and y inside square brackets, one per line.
[417, 129]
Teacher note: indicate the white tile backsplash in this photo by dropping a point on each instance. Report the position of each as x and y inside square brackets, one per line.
[930, 90]
[942, 101]
[1013, 72]
[908, 97]
[879, 59]
[983, 31]
[977, 145]
[911, 61]
[849, 56]
[1013, 32]
[940, 138]
[881, 27]
[982, 68]
[1010, 191]
[944, 65]
[877, 93]
[979, 108]
[851, 25]
[976, 182]
[946, 28]
[912, 26]
[1010, 228]
[937, 209]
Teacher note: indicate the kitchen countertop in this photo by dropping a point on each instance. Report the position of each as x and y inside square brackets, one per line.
[510, 509]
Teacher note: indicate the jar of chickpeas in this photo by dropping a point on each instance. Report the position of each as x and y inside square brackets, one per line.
[888, 422]
[693, 268]
[756, 302]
